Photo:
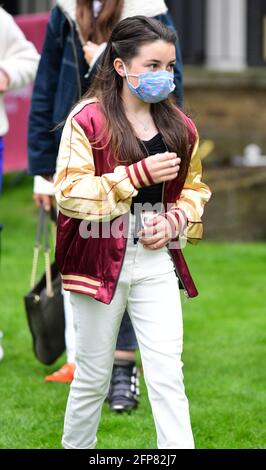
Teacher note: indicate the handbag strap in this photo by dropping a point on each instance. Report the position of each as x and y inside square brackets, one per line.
[49, 288]
[37, 246]
[42, 229]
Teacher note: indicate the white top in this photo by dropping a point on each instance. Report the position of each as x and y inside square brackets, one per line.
[131, 7]
[18, 58]
[97, 5]
[148, 8]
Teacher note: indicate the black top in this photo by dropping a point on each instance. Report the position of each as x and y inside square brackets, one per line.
[151, 194]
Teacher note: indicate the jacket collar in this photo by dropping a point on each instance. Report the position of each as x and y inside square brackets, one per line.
[68, 7]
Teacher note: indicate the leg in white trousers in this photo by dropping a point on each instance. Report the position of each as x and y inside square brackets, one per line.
[149, 289]
[69, 328]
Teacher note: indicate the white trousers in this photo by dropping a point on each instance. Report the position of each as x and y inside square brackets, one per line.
[148, 288]
[69, 327]
[41, 186]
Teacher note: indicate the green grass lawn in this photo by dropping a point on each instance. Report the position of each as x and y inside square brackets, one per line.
[224, 348]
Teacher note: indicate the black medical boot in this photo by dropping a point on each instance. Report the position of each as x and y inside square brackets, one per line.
[124, 387]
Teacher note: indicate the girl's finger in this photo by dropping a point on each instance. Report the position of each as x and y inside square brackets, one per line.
[147, 233]
[157, 245]
[153, 221]
[154, 239]
[169, 171]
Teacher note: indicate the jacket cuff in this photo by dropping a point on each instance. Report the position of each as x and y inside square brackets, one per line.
[42, 186]
[139, 174]
[178, 221]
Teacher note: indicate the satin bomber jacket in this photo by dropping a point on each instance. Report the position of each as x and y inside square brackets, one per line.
[93, 193]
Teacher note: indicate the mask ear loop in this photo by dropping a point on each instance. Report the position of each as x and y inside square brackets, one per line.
[130, 75]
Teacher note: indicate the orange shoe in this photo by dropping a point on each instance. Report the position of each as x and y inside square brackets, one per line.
[63, 375]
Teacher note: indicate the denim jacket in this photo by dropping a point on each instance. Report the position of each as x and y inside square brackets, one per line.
[60, 82]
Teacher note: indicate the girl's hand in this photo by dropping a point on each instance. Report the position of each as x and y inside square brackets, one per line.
[90, 49]
[163, 166]
[4, 81]
[156, 233]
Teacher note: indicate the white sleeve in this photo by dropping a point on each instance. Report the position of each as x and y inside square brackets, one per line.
[20, 58]
[42, 186]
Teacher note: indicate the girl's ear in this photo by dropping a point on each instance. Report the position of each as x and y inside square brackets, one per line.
[119, 67]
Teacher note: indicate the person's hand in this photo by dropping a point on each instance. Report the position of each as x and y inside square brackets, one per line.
[163, 166]
[4, 81]
[90, 49]
[43, 200]
[157, 232]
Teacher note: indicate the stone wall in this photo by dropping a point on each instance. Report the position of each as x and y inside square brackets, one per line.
[230, 109]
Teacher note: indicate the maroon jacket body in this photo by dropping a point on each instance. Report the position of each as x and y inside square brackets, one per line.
[92, 265]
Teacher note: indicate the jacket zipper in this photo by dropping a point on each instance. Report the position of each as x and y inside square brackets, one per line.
[176, 270]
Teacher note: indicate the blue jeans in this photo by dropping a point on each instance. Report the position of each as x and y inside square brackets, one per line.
[1, 161]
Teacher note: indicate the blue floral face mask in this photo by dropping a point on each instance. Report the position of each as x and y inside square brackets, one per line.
[153, 87]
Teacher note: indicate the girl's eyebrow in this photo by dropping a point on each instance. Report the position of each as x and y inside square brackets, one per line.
[158, 61]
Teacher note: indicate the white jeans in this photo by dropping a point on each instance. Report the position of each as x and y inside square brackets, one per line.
[148, 288]
[69, 328]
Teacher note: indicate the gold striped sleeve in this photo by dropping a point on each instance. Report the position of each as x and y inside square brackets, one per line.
[79, 193]
[194, 195]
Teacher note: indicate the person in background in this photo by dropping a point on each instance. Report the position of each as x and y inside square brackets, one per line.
[76, 38]
[126, 144]
[18, 65]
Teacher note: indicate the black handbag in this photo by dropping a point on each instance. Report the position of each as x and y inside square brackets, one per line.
[44, 303]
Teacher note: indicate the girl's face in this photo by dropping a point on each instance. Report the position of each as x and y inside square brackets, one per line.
[153, 57]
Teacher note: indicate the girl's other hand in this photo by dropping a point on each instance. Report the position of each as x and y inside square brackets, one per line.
[156, 233]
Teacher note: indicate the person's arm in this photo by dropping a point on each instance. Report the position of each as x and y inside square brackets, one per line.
[83, 195]
[20, 60]
[42, 144]
[185, 215]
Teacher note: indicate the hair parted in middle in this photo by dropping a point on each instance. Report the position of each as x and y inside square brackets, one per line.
[126, 39]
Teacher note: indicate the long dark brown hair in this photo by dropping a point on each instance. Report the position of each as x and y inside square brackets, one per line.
[98, 30]
[126, 39]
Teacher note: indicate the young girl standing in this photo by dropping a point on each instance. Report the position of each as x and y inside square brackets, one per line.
[126, 146]
[63, 77]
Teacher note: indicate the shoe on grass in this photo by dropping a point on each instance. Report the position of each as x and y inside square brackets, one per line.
[124, 387]
[64, 375]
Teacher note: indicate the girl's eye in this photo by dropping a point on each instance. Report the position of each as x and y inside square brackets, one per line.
[152, 67]
[171, 67]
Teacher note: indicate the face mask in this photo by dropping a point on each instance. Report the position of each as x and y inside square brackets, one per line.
[153, 87]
